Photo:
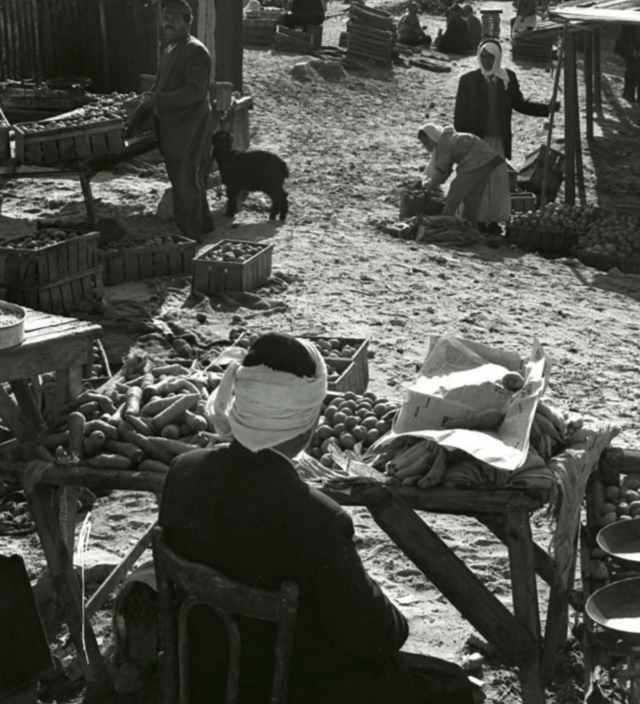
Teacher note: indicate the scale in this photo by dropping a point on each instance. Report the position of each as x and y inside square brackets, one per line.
[616, 606]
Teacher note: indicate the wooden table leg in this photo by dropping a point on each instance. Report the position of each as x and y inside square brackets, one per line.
[525, 598]
[452, 577]
[40, 501]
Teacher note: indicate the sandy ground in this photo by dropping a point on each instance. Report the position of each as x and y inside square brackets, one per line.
[350, 144]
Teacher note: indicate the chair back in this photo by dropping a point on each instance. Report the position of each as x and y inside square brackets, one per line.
[228, 598]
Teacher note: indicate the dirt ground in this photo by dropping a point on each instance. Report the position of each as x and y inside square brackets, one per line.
[350, 143]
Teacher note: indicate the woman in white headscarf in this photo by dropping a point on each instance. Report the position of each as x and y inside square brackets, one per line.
[474, 160]
[485, 101]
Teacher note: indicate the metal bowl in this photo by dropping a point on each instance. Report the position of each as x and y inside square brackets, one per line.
[616, 608]
[11, 334]
[621, 540]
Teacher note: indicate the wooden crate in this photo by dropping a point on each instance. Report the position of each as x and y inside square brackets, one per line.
[23, 268]
[553, 242]
[290, 40]
[258, 31]
[523, 202]
[354, 371]
[140, 263]
[60, 145]
[64, 295]
[214, 276]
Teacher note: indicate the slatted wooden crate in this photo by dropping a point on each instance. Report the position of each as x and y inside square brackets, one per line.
[553, 242]
[64, 295]
[290, 40]
[210, 276]
[135, 264]
[61, 145]
[628, 264]
[523, 202]
[354, 371]
[21, 268]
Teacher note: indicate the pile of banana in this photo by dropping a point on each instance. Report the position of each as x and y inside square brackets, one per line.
[548, 434]
[420, 463]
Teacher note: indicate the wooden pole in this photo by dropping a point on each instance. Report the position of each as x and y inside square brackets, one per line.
[571, 108]
[597, 70]
[105, 44]
[552, 112]
[588, 82]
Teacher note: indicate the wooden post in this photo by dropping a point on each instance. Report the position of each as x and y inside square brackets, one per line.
[597, 70]
[588, 82]
[552, 112]
[88, 200]
[451, 576]
[40, 502]
[571, 107]
[105, 45]
[229, 49]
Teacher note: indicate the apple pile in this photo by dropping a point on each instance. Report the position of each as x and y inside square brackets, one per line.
[351, 420]
[236, 252]
[41, 239]
[333, 347]
[622, 503]
[129, 243]
[612, 234]
[558, 217]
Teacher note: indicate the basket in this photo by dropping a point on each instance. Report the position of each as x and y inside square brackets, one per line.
[20, 268]
[554, 242]
[258, 32]
[354, 371]
[140, 263]
[60, 145]
[64, 295]
[215, 276]
[523, 202]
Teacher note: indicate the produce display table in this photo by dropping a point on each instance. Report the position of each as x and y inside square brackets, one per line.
[516, 636]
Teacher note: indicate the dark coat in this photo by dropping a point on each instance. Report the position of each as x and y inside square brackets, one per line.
[251, 516]
[471, 106]
[456, 38]
[183, 117]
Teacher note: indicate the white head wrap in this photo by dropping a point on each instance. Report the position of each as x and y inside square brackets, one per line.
[262, 408]
[433, 131]
[496, 70]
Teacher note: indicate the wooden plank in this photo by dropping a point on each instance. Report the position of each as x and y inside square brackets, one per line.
[160, 263]
[131, 268]
[588, 81]
[60, 563]
[118, 573]
[571, 107]
[525, 599]
[451, 576]
[597, 71]
[146, 266]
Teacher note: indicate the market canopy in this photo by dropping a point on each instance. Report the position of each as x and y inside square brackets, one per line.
[626, 11]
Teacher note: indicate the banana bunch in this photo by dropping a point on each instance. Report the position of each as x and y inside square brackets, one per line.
[421, 464]
[548, 432]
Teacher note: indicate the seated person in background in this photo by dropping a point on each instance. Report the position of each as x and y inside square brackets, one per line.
[474, 160]
[475, 25]
[303, 13]
[243, 509]
[526, 17]
[456, 38]
[409, 30]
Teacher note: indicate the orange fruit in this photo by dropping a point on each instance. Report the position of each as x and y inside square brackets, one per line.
[351, 422]
[329, 412]
[326, 461]
[372, 435]
[347, 441]
[335, 343]
[380, 409]
[338, 418]
[363, 412]
[324, 432]
[383, 426]
[350, 396]
[349, 406]
[338, 429]
[316, 453]
[359, 433]
[324, 445]
[370, 422]
[370, 395]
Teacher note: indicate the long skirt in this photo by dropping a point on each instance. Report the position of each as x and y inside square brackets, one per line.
[468, 188]
[496, 201]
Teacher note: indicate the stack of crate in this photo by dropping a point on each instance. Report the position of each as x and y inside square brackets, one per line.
[54, 278]
[259, 28]
[371, 35]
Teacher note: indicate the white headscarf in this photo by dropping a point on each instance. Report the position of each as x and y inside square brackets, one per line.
[433, 131]
[262, 408]
[496, 70]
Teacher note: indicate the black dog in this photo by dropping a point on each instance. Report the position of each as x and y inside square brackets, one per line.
[254, 170]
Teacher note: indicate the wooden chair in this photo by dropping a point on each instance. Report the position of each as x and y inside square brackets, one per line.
[228, 599]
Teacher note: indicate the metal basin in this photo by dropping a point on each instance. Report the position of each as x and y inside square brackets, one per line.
[621, 540]
[616, 608]
[11, 325]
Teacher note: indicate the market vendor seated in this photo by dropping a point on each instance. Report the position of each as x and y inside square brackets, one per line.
[410, 31]
[303, 13]
[474, 160]
[243, 509]
[456, 38]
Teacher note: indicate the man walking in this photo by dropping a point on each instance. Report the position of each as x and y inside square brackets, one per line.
[179, 103]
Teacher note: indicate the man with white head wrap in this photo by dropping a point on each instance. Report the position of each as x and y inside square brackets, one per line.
[474, 161]
[242, 509]
[485, 101]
